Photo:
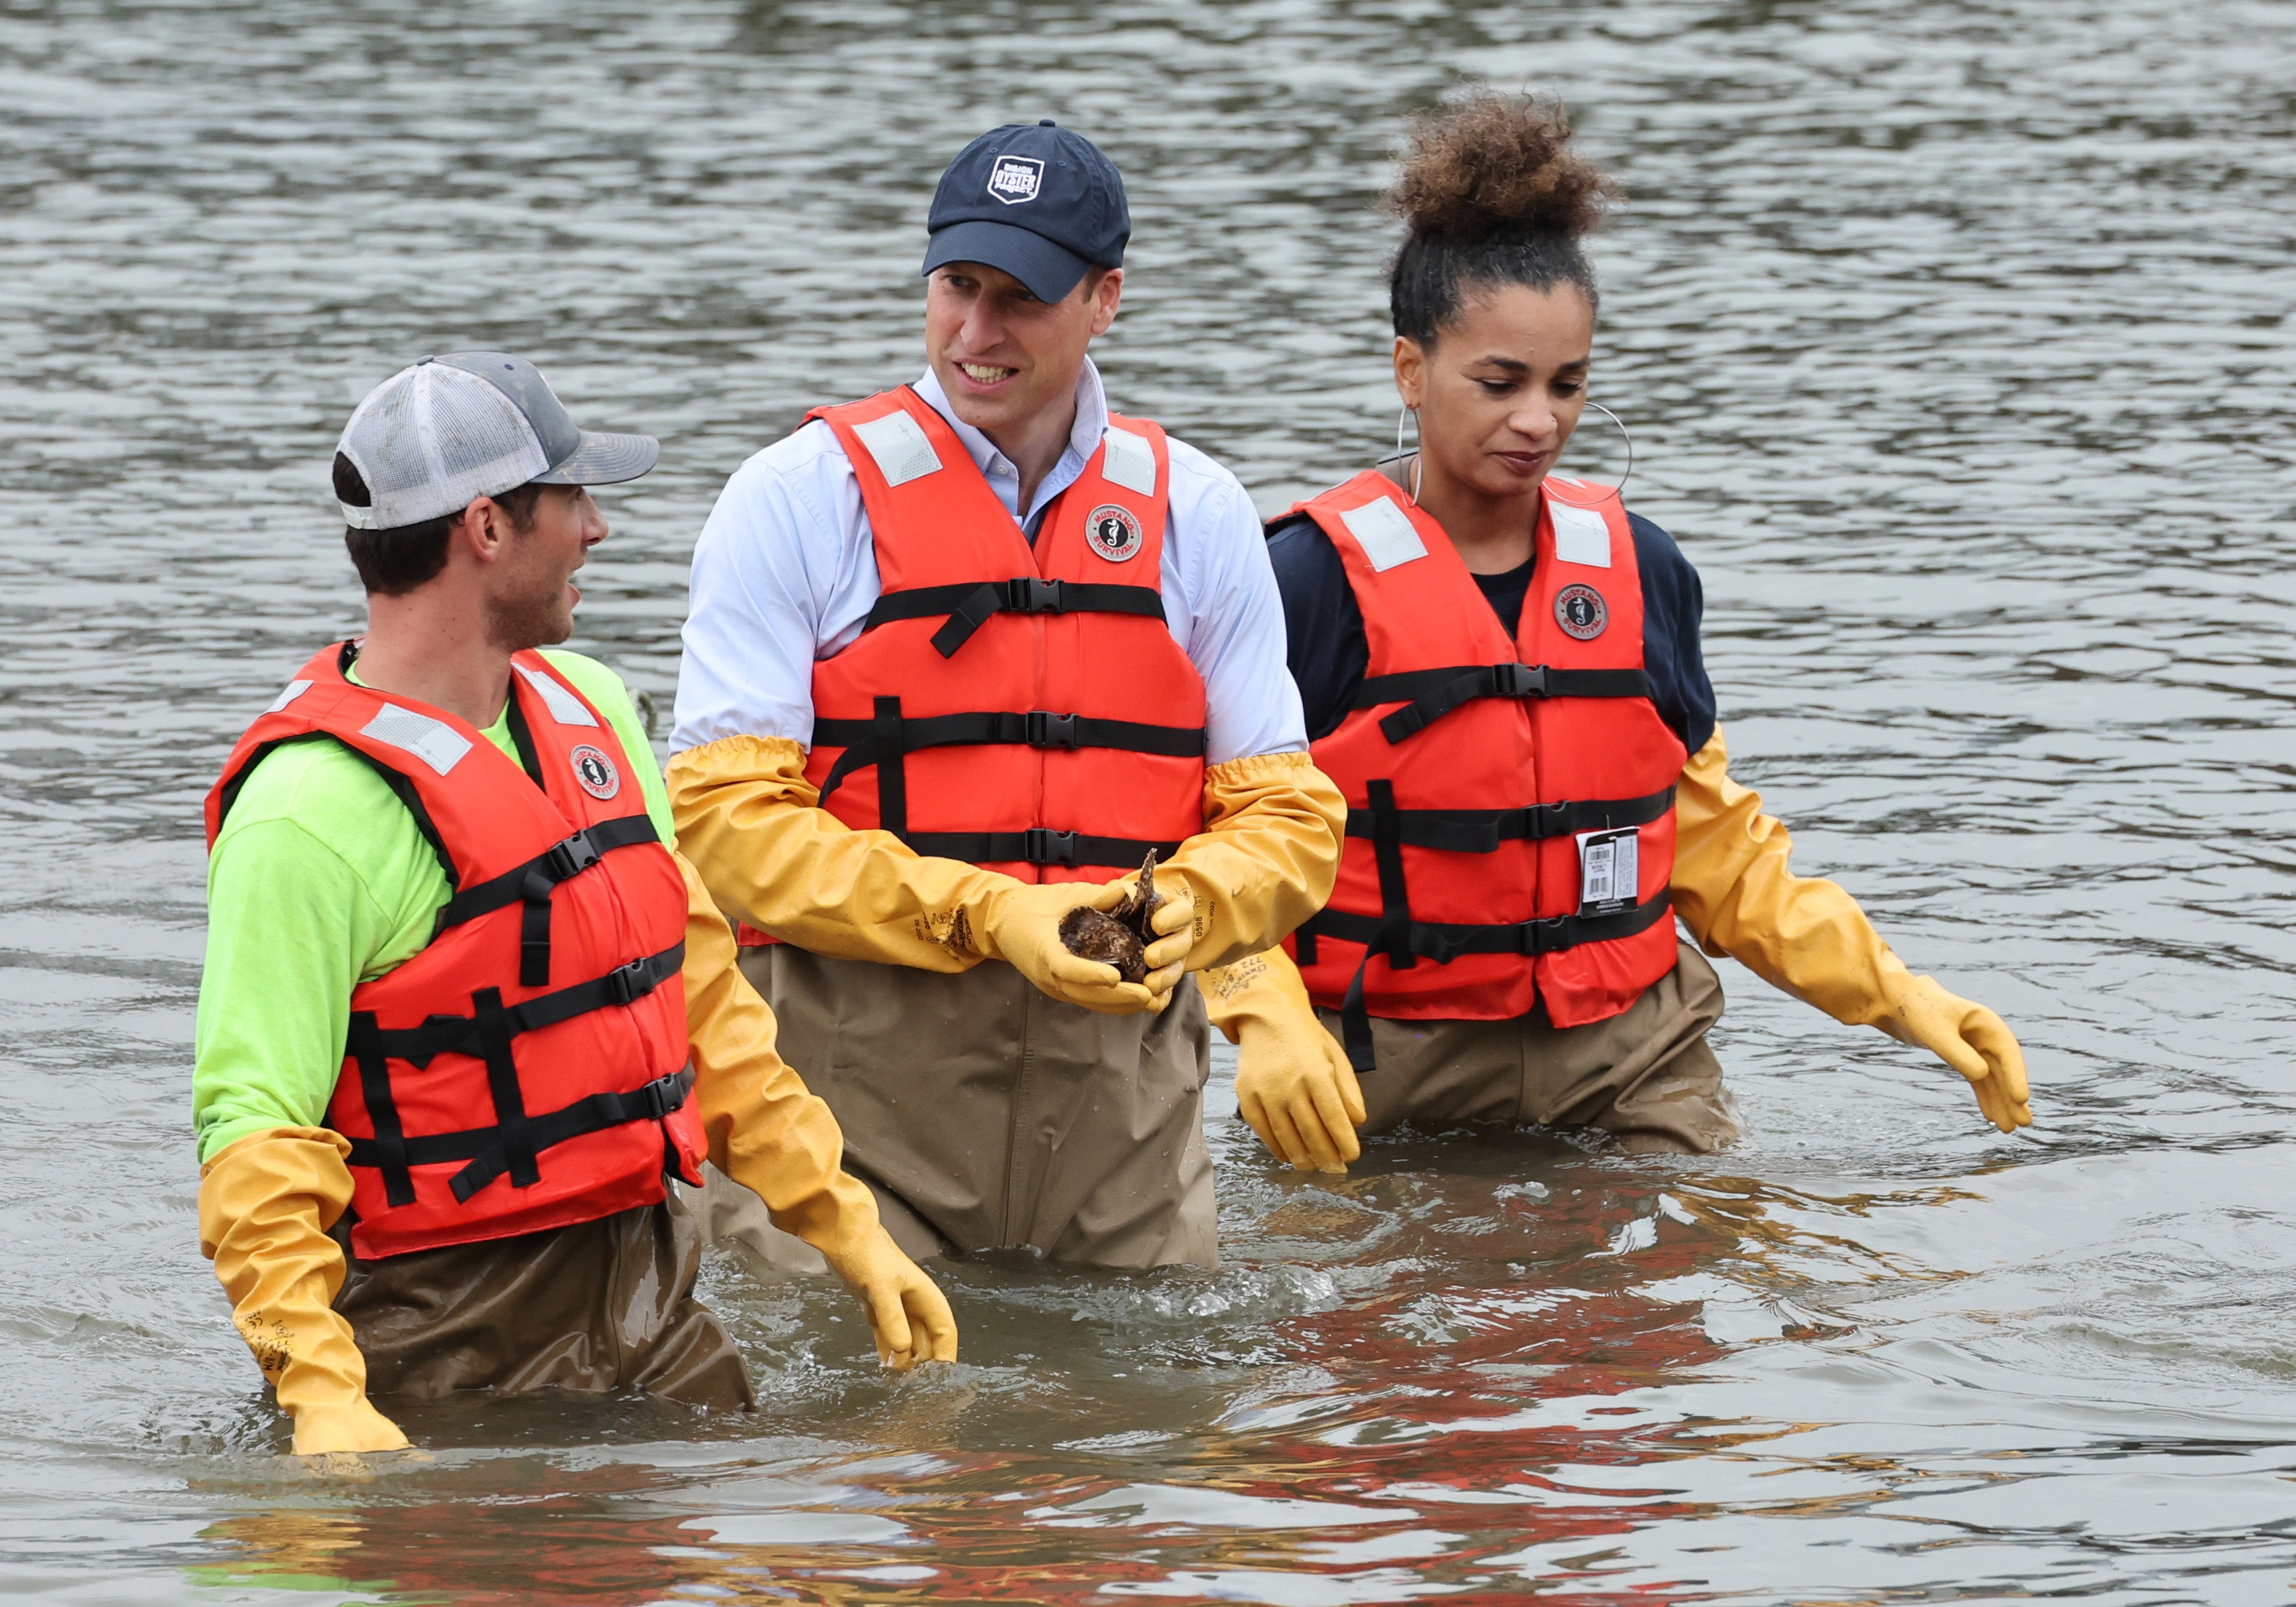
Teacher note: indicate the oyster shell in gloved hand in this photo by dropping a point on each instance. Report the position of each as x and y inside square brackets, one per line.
[1118, 936]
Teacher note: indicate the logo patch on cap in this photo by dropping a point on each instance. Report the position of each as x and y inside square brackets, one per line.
[1114, 532]
[1580, 611]
[1016, 178]
[595, 771]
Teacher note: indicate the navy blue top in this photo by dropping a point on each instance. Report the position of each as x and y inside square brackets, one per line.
[1330, 657]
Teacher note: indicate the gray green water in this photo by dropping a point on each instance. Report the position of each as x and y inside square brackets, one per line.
[1955, 339]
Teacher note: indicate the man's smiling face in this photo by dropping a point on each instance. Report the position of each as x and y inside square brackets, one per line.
[1004, 355]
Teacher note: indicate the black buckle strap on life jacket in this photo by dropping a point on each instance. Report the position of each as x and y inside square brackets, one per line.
[388, 1148]
[1037, 846]
[533, 880]
[1429, 695]
[513, 1130]
[969, 604]
[459, 1034]
[883, 741]
[488, 1158]
[1481, 830]
[1444, 942]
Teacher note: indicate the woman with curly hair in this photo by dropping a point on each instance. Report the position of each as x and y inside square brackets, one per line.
[1500, 665]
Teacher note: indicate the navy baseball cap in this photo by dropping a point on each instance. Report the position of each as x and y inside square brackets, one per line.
[1034, 199]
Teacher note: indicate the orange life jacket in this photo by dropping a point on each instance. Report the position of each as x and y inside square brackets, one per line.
[1496, 789]
[1023, 708]
[528, 1068]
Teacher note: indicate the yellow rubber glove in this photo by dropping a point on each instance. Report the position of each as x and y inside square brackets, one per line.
[750, 823]
[1735, 890]
[1264, 863]
[265, 1204]
[769, 1134]
[1292, 1080]
[1020, 926]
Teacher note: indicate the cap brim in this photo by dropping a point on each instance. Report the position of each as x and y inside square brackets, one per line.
[600, 459]
[1049, 271]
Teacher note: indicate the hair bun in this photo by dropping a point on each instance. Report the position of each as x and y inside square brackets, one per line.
[1496, 166]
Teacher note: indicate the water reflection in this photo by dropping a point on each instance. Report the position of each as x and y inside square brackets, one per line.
[1947, 334]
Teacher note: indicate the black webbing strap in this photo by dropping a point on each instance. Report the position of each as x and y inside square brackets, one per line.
[1429, 695]
[888, 736]
[488, 1159]
[533, 880]
[521, 737]
[1481, 830]
[1394, 923]
[459, 1034]
[1444, 942]
[970, 604]
[510, 1127]
[1036, 847]
[388, 1148]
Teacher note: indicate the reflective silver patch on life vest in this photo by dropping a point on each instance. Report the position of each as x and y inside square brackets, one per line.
[1128, 460]
[435, 743]
[1385, 533]
[294, 689]
[564, 706]
[1581, 535]
[899, 444]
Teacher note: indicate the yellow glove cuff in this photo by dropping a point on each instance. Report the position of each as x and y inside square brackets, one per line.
[1267, 857]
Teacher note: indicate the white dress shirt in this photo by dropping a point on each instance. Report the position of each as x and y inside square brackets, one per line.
[786, 571]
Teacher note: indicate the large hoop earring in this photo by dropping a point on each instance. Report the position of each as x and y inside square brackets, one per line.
[1418, 465]
[1618, 490]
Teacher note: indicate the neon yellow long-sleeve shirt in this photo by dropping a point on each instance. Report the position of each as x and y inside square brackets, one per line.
[320, 881]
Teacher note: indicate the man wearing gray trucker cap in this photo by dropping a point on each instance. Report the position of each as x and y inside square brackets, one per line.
[959, 656]
[465, 1011]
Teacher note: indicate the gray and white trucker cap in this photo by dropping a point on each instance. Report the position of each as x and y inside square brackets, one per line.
[468, 424]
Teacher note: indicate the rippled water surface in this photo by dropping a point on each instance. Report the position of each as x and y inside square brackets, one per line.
[1955, 341]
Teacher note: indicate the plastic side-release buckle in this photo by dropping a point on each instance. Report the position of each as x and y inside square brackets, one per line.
[626, 984]
[1048, 730]
[569, 859]
[664, 1095]
[1519, 680]
[1040, 846]
[1027, 594]
[1535, 938]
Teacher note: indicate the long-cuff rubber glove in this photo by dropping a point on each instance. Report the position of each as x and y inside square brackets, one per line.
[265, 1204]
[769, 1134]
[1292, 1080]
[751, 823]
[1264, 863]
[1735, 890]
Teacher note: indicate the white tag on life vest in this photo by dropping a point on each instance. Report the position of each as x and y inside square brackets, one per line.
[1128, 460]
[899, 444]
[1385, 533]
[564, 706]
[1610, 869]
[1581, 535]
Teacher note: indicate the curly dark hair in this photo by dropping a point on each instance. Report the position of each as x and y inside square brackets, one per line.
[1493, 194]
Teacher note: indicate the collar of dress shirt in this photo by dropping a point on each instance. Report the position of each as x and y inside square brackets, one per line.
[1002, 475]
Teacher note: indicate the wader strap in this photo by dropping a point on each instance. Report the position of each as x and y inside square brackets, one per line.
[871, 742]
[388, 1148]
[1429, 695]
[1444, 942]
[1391, 932]
[533, 882]
[1481, 830]
[511, 1125]
[488, 1159]
[970, 604]
[1036, 847]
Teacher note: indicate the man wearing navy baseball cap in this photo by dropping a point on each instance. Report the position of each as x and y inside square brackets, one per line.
[960, 657]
